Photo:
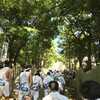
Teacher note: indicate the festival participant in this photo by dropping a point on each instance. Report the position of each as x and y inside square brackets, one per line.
[90, 90]
[54, 92]
[61, 81]
[37, 84]
[46, 81]
[25, 82]
[27, 98]
[51, 73]
[6, 76]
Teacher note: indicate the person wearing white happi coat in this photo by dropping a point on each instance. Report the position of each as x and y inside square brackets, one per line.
[25, 82]
[54, 92]
[6, 76]
[46, 82]
[4, 84]
[37, 84]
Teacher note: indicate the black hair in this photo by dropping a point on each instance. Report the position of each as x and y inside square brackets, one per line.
[7, 63]
[37, 73]
[48, 73]
[90, 89]
[54, 86]
[24, 66]
[28, 66]
[1, 64]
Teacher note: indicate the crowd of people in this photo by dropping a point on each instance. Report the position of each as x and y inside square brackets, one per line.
[29, 85]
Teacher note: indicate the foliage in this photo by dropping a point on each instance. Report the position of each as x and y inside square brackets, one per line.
[19, 18]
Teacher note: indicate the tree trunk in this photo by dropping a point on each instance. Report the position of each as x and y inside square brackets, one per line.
[69, 57]
[89, 54]
[16, 55]
[80, 61]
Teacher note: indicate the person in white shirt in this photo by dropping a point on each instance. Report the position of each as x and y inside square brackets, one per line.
[25, 82]
[54, 92]
[46, 82]
[37, 84]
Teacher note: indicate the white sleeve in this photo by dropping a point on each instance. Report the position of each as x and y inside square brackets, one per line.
[33, 78]
[45, 98]
[66, 98]
[41, 82]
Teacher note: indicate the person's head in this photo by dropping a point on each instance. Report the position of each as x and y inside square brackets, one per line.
[53, 86]
[26, 67]
[27, 98]
[7, 63]
[1, 64]
[37, 73]
[23, 67]
[48, 73]
[90, 89]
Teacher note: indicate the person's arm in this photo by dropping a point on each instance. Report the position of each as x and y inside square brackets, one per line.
[30, 79]
[41, 82]
[44, 98]
[8, 75]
